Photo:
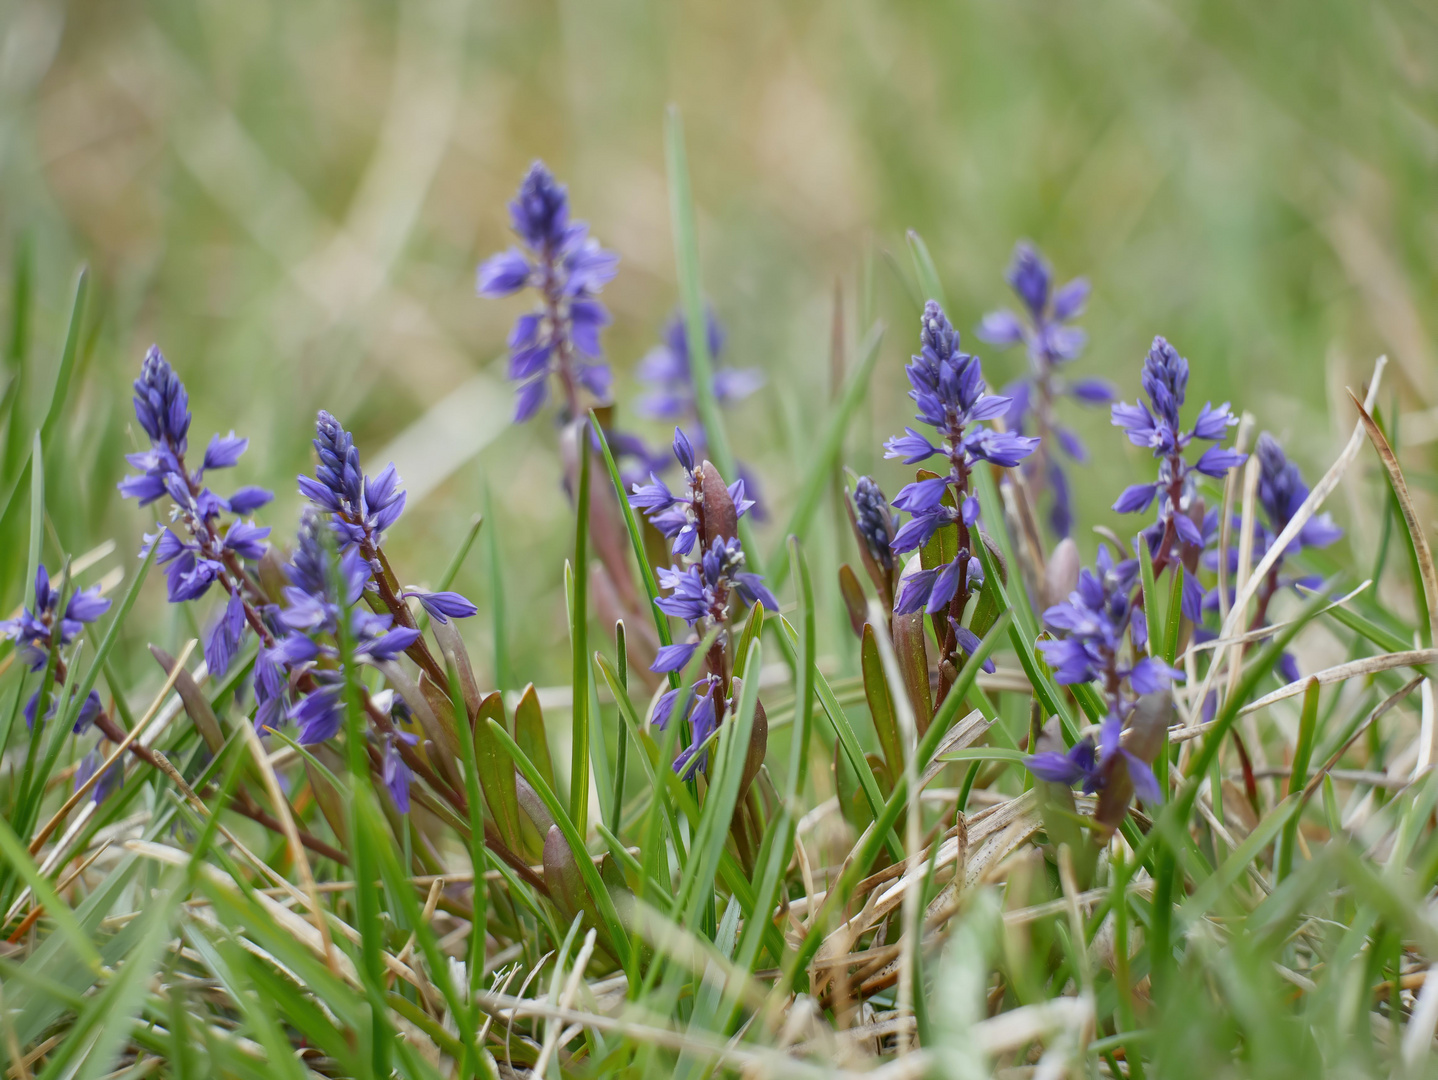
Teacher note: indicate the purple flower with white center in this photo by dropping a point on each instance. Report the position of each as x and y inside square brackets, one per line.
[1157, 425]
[1051, 342]
[42, 627]
[197, 548]
[568, 268]
[948, 386]
[1100, 636]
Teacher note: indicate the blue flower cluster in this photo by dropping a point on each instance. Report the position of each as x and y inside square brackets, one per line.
[210, 550]
[1180, 528]
[568, 268]
[323, 584]
[701, 591]
[44, 628]
[1051, 342]
[665, 368]
[948, 387]
[680, 516]
[1092, 626]
[298, 675]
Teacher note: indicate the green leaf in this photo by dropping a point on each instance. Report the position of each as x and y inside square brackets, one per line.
[60, 390]
[597, 890]
[696, 885]
[496, 773]
[530, 734]
[691, 295]
[636, 538]
[14, 853]
[881, 701]
[1175, 612]
[803, 674]
[579, 647]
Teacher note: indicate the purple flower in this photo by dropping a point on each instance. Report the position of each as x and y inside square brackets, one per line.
[1093, 767]
[568, 269]
[322, 586]
[224, 639]
[197, 548]
[42, 627]
[1157, 424]
[1100, 635]
[443, 606]
[676, 515]
[361, 507]
[704, 706]
[949, 389]
[1281, 491]
[395, 773]
[666, 369]
[876, 524]
[1051, 342]
[1091, 627]
[109, 783]
[90, 709]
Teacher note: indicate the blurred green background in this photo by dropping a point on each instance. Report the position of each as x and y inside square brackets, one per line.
[291, 199]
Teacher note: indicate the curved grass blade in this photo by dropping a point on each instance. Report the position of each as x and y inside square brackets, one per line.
[821, 464]
[636, 538]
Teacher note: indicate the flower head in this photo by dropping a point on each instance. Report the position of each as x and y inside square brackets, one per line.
[1091, 627]
[43, 626]
[568, 268]
[1094, 766]
[1051, 342]
[677, 514]
[875, 523]
[948, 386]
[704, 706]
[1157, 424]
[362, 507]
[198, 547]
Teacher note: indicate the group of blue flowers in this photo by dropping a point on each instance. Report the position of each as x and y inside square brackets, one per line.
[206, 540]
[342, 604]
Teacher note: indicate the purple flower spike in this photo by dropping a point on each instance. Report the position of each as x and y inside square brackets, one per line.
[1051, 342]
[568, 269]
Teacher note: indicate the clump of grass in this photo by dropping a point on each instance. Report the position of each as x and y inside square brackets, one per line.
[326, 850]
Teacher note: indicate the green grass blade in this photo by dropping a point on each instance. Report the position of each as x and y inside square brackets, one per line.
[597, 890]
[818, 479]
[636, 538]
[691, 295]
[928, 273]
